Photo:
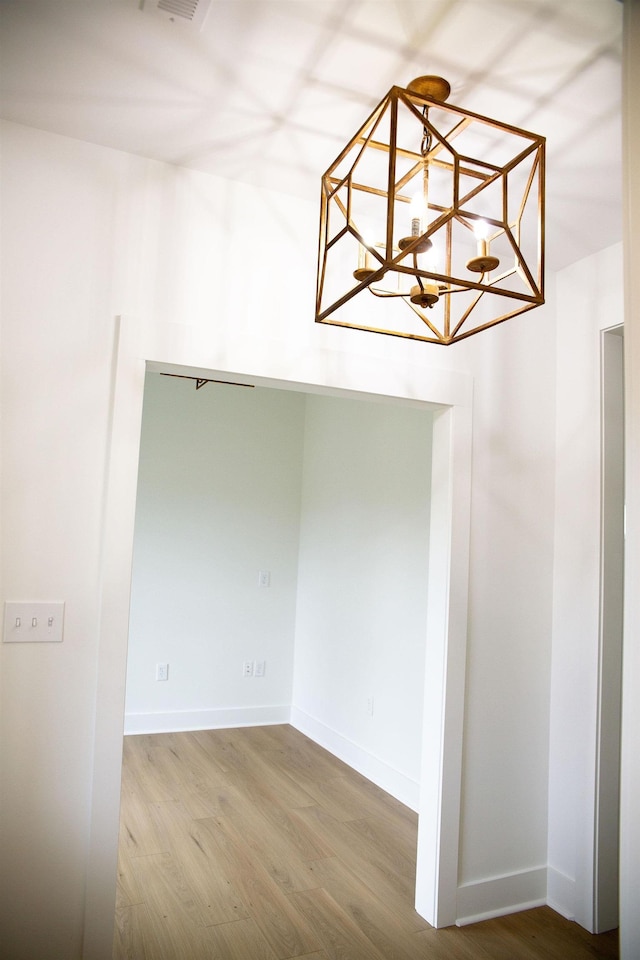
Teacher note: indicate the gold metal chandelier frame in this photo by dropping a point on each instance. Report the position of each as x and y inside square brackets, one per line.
[503, 193]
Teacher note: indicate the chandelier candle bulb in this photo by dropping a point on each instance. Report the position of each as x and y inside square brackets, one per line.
[416, 208]
[483, 262]
[481, 231]
[417, 211]
[365, 264]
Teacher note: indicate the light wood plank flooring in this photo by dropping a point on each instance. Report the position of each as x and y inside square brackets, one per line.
[256, 844]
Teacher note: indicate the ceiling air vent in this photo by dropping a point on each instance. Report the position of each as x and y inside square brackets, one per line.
[190, 12]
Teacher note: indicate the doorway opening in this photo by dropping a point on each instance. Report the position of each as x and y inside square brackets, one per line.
[450, 397]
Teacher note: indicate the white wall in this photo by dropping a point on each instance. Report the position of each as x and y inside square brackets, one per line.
[62, 226]
[227, 477]
[589, 299]
[218, 501]
[362, 586]
[504, 823]
[90, 233]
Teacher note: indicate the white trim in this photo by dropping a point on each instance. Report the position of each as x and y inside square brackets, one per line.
[499, 896]
[446, 644]
[121, 465]
[561, 893]
[630, 758]
[606, 837]
[393, 781]
[217, 719]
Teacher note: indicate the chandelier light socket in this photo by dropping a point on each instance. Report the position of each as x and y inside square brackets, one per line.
[363, 273]
[483, 262]
[425, 296]
[421, 247]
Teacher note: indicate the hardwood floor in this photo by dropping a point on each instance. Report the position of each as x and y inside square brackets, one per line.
[256, 844]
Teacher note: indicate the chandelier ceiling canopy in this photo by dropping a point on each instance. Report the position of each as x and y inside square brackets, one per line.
[435, 206]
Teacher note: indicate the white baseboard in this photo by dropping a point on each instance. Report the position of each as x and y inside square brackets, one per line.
[400, 786]
[561, 893]
[498, 896]
[183, 720]
[382, 774]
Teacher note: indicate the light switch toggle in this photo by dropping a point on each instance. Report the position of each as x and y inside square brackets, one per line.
[46, 622]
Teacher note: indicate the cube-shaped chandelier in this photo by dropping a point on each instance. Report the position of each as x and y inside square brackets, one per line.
[435, 206]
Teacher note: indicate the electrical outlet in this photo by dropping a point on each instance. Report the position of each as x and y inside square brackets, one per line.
[247, 668]
[162, 671]
[370, 706]
[264, 578]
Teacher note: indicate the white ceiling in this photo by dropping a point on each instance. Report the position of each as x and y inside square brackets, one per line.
[268, 91]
